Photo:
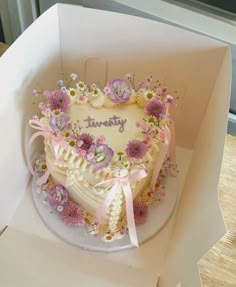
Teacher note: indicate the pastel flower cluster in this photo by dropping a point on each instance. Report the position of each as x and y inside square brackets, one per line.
[150, 95]
[69, 211]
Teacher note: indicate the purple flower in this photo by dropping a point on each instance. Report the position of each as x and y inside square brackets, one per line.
[156, 108]
[59, 122]
[87, 141]
[136, 149]
[57, 195]
[72, 214]
[119, 91]
[140, 212]
[99, 156]
[58, 101]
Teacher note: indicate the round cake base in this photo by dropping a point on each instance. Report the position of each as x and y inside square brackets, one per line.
[158, 215]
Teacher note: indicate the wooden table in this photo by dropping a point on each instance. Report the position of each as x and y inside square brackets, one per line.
[218, 267]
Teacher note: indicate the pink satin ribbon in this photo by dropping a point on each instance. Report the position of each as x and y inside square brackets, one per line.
[166, 148]
[116, 184]
[45, 131]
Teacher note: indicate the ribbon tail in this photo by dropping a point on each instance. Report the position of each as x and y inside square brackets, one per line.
[130, 214]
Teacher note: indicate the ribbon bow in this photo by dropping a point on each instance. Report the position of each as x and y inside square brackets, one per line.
[43, 130]
[122, 182]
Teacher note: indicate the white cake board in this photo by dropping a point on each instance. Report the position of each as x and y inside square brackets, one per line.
[158, 215]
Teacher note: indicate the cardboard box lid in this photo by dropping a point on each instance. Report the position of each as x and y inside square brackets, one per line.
[198, 67]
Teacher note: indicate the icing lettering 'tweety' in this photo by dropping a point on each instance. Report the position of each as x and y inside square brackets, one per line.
[113, 121]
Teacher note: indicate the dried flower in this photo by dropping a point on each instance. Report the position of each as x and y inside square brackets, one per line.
[59, 100]
[57, 195]
[58, 122]
[81, 86]
[64, 90]
[106, 90]
[140, 212]
[35, 93]
[99, 156]
[100, 140]
[119, 91]
[156, 108]
[85, 141]
[60, 83]
[73, 76]
[136, 149]
[169, 99]
[72, 214]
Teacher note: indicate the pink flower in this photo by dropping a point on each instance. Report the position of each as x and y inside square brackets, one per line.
[136, 149]
[93, 86]
[87, 141]
[35, 117]
[46, 93]
[42, 106]
[169, 99]
[35, 93]
[156, 108]
[128, 76]
[72, 214]
[137, 124]
[106, 90]
[100, 140]
[59, 101]
[81, 151]
[149, 78]
[164, 89]
[140, 85]
[159, 91]
[140, 212]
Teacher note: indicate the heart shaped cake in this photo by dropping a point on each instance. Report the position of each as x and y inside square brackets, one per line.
[107, 152]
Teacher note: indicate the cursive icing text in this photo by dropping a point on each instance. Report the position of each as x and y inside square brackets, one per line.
[113, 121]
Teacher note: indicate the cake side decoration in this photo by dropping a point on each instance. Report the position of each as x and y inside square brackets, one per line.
[105, 182]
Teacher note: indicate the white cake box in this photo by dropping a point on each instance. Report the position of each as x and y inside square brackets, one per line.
[64, 39]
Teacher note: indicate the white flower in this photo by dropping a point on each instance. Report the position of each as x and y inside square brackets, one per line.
[60, 83]
[64, 89]
[72, 92]
[149, 95]
[81, 86]
[73, 76]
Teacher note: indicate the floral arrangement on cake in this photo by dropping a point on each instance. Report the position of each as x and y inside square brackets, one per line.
[149, 95]
[55, 122]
